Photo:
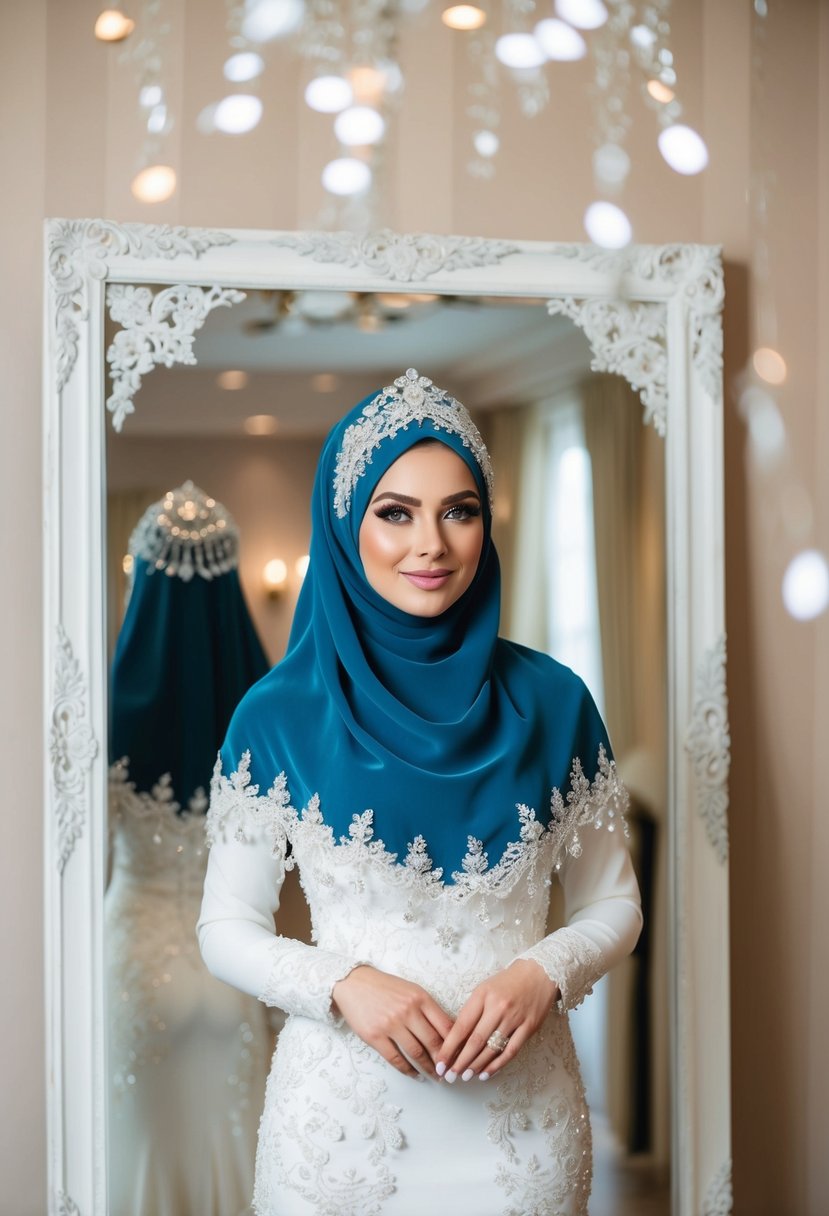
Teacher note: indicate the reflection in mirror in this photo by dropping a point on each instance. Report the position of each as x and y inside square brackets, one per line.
[186, 1056]
[579, 527]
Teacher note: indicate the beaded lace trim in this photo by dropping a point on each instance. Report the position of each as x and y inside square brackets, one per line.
[412, 398]
[236, 809]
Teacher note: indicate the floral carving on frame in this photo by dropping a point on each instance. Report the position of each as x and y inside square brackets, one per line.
[708, 742]
[627, 338]
[404, 258]
[66, 1206]
[719, 1198]
[157, 328]
[72, 748]
[696, 271]
[79, 250]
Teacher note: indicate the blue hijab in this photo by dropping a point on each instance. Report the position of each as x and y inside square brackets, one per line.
[186, 653]
[436, 724]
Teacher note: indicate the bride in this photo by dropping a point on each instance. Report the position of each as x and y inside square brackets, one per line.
[430, 780]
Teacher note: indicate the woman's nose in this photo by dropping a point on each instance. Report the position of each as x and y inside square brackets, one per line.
[430, 540]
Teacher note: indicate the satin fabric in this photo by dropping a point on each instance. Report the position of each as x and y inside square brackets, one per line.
[435, 724]
[185, 655]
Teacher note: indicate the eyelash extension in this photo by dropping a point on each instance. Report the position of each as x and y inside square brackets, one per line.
[391, 509]
[472, 510]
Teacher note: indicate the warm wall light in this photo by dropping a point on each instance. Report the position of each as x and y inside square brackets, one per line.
[325, 382]
[275, 577]
[232, 379]
[113, 26]
[261, 424]
[154, 184]
[301, 565]
[463, 17]
[127, 563]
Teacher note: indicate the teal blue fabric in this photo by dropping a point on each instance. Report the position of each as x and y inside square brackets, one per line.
[435, 724]
[186, 654]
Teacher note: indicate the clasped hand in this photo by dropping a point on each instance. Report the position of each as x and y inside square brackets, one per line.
[408, 1028]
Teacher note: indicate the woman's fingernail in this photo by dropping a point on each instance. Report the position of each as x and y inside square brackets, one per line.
[469, 1073]
[484, 1076]
[451, 1076]
[440, 1068]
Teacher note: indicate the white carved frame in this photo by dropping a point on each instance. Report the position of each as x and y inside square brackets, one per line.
[652, 314]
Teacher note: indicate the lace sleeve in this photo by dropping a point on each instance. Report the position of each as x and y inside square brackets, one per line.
[602, 907]
[247, 833]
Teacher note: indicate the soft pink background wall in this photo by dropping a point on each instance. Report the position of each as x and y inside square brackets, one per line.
[66, 132]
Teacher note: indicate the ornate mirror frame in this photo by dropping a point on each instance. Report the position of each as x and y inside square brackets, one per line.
[652, 314]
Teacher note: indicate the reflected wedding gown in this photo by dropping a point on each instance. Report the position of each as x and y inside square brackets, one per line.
[187, 1055]
[342, 1132]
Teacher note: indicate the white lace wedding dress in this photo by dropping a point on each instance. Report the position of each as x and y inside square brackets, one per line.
[342, 1132]
[187, 1055]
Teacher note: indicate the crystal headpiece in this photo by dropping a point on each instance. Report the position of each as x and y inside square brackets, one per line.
[412, 398]
[187, 533]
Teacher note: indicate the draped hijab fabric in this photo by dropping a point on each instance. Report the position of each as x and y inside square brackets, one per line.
[435, 724]
[186, 654]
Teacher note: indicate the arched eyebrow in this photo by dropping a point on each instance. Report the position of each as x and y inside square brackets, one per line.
[416, 502]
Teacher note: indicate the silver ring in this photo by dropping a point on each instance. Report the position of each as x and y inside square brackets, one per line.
[497, 1042]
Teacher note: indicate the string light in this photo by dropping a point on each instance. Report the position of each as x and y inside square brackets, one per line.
[463, 17]
[246, 65]
[607, 225]
[806, 585]
[329, 94]
[238, 113]
[155, 184]
[559, 41]
[769, 365]
[359, 125]
[519, 51]
[346, 175]
[583, 14]
[683, 149]
[113, 26]
[266, 20]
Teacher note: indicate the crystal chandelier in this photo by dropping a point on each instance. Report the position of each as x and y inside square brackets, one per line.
[352, 74]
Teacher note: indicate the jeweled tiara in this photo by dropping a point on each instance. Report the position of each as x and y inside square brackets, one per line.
[412, 398]
[187, 533]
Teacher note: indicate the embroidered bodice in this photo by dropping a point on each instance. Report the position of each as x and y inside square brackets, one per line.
[401, 914]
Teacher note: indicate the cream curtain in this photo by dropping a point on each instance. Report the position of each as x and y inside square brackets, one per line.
[627, 461]
[518, 444]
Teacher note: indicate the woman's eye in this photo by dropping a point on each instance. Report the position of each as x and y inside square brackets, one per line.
[464, 510]
[394, 515]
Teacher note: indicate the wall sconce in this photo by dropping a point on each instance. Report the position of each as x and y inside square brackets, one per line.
[301, 566]
[275, 577]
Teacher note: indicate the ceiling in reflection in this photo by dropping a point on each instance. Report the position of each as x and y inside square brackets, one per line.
[310, 356]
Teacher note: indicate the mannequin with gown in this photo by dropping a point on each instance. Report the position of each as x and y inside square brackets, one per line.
[430, 781]
[187, 1054]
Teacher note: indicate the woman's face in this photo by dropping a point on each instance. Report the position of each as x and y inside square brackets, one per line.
[422, 533]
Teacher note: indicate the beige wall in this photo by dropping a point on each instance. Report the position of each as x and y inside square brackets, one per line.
[64, 135]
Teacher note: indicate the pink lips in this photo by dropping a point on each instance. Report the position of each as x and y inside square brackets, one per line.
[427, 580]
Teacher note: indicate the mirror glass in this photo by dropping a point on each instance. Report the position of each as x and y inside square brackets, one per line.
[229, 445]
